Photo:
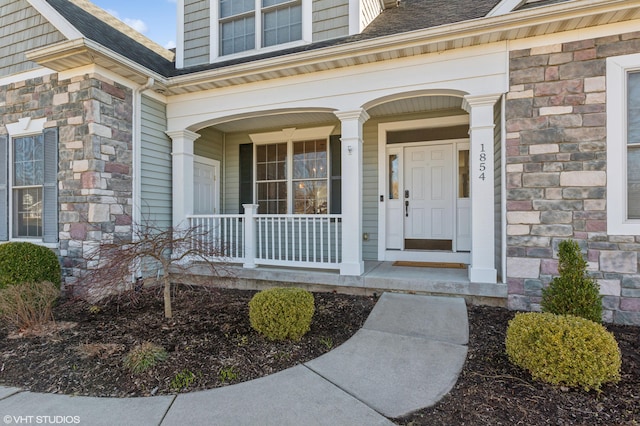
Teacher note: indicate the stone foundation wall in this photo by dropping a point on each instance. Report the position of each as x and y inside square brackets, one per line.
[557, 173]
[94, 120]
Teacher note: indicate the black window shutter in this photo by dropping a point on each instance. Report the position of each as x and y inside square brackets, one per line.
[50, 189]
[335, 188]
[4, 187]
[246, 175]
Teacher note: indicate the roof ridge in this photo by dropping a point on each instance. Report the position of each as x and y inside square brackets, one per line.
[117, 24]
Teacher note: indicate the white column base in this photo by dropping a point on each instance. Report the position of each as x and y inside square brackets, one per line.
[352, 268]
[483, 275]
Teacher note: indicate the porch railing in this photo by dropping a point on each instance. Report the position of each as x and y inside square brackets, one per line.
[312, 241]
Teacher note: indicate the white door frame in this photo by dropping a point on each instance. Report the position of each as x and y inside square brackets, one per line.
[383, 128]
[216, 184]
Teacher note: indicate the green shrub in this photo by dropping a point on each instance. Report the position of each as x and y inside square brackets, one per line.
[26, 262]
[28, 304]
[573, 292]
[563, 350]
[282, 313]
[144, 356]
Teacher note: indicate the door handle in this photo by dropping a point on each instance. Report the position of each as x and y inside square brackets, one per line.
[406, 208]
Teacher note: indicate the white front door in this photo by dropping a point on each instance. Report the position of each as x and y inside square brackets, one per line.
[428, 196]
[206, 186]
[426, 202]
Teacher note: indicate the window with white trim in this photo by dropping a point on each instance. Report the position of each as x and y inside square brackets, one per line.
[623, 144]
[295, 174]
[249, 24]
[28, 182]
[27, 186]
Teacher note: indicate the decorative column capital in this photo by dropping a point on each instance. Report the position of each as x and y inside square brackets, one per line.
[183, 134]
[470, 101]
[357, 114]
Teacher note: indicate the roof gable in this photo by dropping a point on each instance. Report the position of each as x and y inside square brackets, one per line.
[93, 24]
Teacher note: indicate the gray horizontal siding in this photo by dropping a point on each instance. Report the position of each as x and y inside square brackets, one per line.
[22, 29]
[156, 165]
[370, 10]
[330, 19]
[197, 32]
[370, 189]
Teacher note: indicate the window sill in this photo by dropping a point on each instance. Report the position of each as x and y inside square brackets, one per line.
[35, 241]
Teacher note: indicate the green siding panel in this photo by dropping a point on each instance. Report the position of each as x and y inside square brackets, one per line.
[330, 19]
[23, 29]
[156, 175]
[197, 32]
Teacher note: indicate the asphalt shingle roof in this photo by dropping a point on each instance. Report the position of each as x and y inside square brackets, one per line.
[109, 37]
[411, 15]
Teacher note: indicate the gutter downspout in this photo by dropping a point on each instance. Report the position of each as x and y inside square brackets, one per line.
[137, 151]
[136, 172]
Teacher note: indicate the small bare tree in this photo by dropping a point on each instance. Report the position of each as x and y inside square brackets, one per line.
[170, 250]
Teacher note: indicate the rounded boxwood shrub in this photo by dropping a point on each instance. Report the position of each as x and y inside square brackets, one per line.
[22, 262]
[563, 350]
[282, 313]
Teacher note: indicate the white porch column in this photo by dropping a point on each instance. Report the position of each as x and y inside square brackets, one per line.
[182, 154]
[481, 133]
[250, 228]
[352, 122]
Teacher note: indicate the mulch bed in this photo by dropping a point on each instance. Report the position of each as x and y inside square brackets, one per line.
[209, 339]
[210, 336]
[491, 391]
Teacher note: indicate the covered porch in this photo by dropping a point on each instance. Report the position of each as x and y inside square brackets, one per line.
[325, 193]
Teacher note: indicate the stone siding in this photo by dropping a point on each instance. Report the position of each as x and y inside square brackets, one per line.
[556, 173]
[94, 119]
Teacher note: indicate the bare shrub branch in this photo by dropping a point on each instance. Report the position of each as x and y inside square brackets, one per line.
[167, 251]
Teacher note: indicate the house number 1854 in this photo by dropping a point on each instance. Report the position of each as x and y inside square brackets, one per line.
[483, 161]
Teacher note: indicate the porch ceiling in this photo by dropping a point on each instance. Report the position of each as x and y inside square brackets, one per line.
[276, 121]
[282, 120]
[416, 104]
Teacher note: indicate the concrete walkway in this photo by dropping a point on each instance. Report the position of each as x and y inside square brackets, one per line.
[407, 356]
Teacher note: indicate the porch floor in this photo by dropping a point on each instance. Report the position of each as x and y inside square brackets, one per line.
[378, 277]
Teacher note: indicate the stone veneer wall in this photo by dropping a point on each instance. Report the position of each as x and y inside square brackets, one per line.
[556, 173]
[94, 119]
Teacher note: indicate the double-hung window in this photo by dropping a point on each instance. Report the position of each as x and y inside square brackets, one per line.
[28, 182]
[623, 144]
[27, 186]
[296, 176]
[245, 25]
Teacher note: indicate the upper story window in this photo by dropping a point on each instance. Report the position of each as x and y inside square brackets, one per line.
[247, 24]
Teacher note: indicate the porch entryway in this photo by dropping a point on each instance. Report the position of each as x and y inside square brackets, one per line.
[428, 207]
[425, 189]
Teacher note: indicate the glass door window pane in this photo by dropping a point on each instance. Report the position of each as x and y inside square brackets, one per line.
[394, 178]
[463, 173]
